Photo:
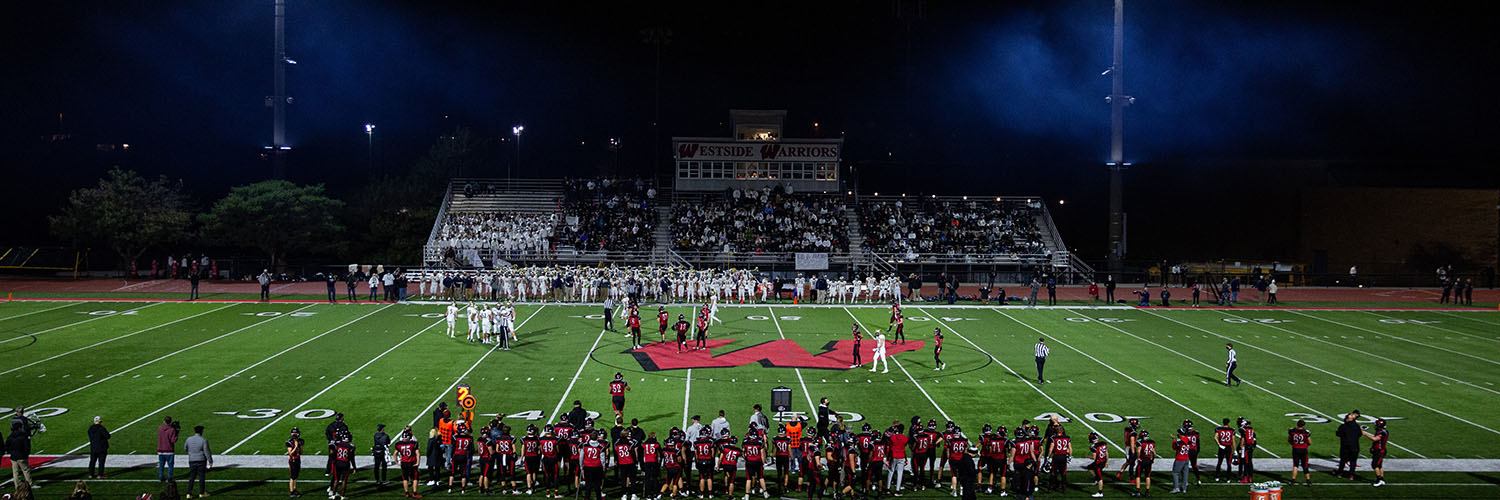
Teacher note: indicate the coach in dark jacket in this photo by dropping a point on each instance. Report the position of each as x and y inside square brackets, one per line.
[98, 447]
[967, 475]
[577, 416]
[18, 446]
[1349, 433]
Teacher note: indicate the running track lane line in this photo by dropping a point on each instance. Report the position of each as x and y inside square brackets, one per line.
[95, 318]
[1417, 368]
[798, 370]
[1466, 316]
[1038, 390]
[434, 402]
[1481, 337]
[1111, 368]
[1403, 339]
[1347, 379]
[236, 374]
[70, 304]
[331, 386]
[1331, 417]
[552, 416]
[102, 342]
[903, 370]
[173, 353]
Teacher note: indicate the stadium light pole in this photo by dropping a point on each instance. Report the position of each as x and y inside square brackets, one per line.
[370, 145]
[1117, 101]
[516, 130]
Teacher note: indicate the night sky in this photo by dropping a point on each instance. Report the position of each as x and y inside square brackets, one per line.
[980, 98]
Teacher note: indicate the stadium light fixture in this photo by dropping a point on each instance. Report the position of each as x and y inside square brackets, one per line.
[369, 128]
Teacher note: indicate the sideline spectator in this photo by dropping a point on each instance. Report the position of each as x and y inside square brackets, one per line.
[98, 447]
[18, 446]
[166, 449]
[200, 460]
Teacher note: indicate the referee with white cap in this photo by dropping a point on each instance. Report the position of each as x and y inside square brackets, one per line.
[1041, 358]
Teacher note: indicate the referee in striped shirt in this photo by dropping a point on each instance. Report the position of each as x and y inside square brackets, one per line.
[1041, 359]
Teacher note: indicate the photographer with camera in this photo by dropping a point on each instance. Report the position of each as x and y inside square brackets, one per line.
[166, 448]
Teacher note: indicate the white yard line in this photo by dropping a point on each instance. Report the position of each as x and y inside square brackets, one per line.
[335, 383]
[552, 417]
[1439, 328]
[428, 409]
[1330, 416]
[70, 304]
[102, 342]
[687, 395]
[76, 323]
[777, 322]
[1377, 356]
[1205, 418]
[1347, 379]
[1467, 317]
[237, 374]
[1075, 416]
[168, 355]
[1399, 337]
[903, 370]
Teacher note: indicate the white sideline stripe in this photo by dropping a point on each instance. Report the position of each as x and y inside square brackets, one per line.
[552, 417]
[777, 322]
[95, 318]
[1038, 390]
[70, 304]
[335, 383]
[236, 374]
[1205, 418]
[168, 355]
[1420, 369]
[1331, 417]
[1346, 379]
[460, 378]
[1466, 316]
[797, 306]
[1481, 337]
[687, 393]
[102, 342]
[903, 370]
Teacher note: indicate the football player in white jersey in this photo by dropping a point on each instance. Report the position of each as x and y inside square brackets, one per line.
[452, 317]
[473, 315]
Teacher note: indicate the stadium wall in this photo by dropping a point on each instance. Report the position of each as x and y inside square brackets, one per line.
[1399, 230]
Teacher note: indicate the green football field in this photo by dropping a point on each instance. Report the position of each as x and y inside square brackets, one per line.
[249, 372]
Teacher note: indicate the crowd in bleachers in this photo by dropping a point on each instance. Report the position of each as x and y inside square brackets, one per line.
[508, 233]
[917, 227]
[607, 214]
[765, 220]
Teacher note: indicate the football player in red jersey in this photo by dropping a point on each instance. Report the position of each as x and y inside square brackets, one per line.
[406, 454]
[672, 461]
[729, 459]
[1190, 436]
[551, 450]
[531, 453]
[1377, 450]
[343, 465]
[703, 456]
[1145, 452]
[624, 453]
[701, 342]
[591, 459]
[505, 459]
[485, 447]
[1224, 437]
[880, 452]
[294, 461]
[937, 350]
[634, 322]
[1247, 450]
[650, 452]
[1180, 463]
[682, 330]
[617, 388]
[754, 452]
[1099, 455]
[661, 317]
[857, 337]
[1299, 438]
[991, 445]
[1132, 433]
[463, 448]
[1060, 448]
[782, 446]
[811, 463]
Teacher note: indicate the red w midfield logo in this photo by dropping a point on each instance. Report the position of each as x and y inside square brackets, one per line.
[774, 354]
